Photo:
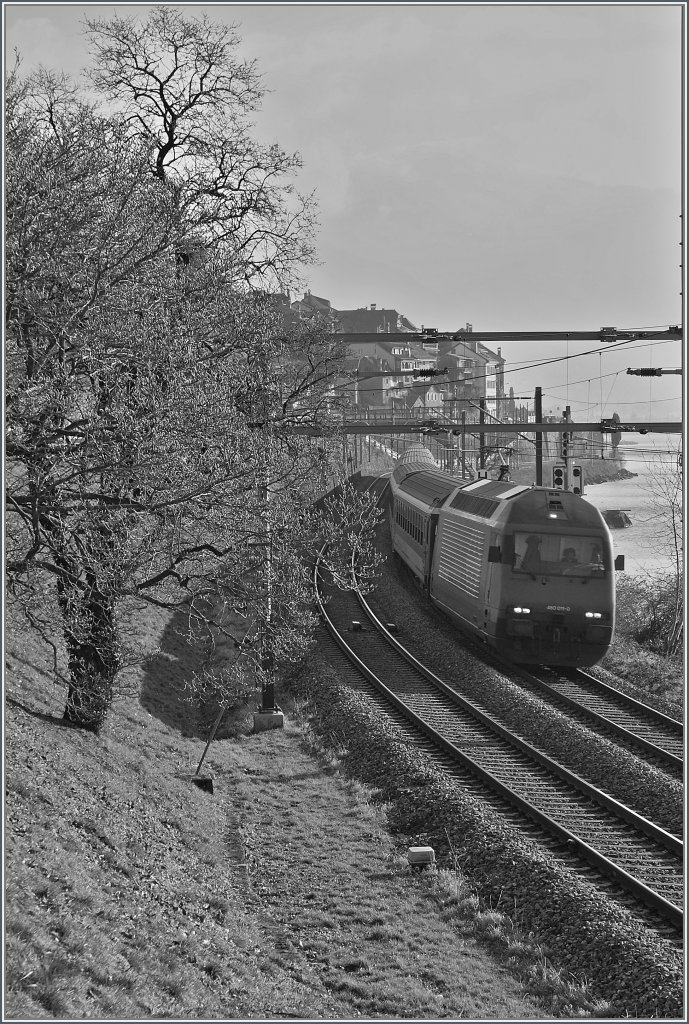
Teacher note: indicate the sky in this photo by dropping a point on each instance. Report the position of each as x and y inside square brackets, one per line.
[516, 167]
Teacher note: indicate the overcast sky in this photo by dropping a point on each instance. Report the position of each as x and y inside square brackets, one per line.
[515, 167]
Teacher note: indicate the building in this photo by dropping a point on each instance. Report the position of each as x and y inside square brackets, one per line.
[476, 372]
[465, 373]
[387, 354]
[374, 321]
[312, 304]
[356, 321]
[387, 374]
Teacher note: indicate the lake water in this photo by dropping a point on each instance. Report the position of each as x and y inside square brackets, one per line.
[647, 543]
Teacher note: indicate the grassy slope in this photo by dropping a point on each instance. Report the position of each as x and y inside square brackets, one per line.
[131, 893]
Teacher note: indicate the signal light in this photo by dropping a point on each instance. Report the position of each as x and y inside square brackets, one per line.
[559, 478]
[577, 480]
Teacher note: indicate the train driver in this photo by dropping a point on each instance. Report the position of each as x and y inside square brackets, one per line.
[569, 557]
[531, 562]
[596, 558]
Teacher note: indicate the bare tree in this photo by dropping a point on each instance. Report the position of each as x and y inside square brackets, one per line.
[666, 593]
[187, 96]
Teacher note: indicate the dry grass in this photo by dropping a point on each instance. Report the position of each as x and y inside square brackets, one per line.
[130, 893]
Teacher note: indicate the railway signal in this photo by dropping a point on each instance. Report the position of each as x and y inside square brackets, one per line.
[560, 482]
[577, 480]
[559, 478]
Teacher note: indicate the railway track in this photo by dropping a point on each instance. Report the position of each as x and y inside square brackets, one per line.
[643, 730]
[626, 851]
[636, 725]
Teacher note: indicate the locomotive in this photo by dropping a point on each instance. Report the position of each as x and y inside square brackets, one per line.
[528, 569]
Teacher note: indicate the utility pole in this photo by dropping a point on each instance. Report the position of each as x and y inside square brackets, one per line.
[266, 645]
[566, 448]
[268, 715]
[538, 412]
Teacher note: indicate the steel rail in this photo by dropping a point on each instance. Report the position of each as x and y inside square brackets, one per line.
[659, 716]
[659, 835]
[602, 863]
[607, 692]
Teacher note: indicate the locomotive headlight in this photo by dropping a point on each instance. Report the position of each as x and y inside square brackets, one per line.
[521, 611]
[594, 615]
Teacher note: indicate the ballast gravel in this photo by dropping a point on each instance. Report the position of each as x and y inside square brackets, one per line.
[625, 963]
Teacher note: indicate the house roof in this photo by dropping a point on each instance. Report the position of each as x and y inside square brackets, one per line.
[461, 348]
[373, 321]
[313, 302]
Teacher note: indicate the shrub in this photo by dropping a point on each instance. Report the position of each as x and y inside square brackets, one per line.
[650, 611]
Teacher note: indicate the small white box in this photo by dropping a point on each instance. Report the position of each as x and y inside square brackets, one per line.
[421, 855]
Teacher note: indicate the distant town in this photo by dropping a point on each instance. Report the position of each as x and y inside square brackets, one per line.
[420, 377]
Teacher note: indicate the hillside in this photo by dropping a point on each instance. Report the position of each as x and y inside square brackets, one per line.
[132, 893]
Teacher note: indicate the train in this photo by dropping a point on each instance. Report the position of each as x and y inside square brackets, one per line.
[530, 570]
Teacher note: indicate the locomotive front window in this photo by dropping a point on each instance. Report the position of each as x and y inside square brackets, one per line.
[559, 554]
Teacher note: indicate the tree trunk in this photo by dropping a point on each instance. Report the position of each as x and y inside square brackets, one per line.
[91, 637]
